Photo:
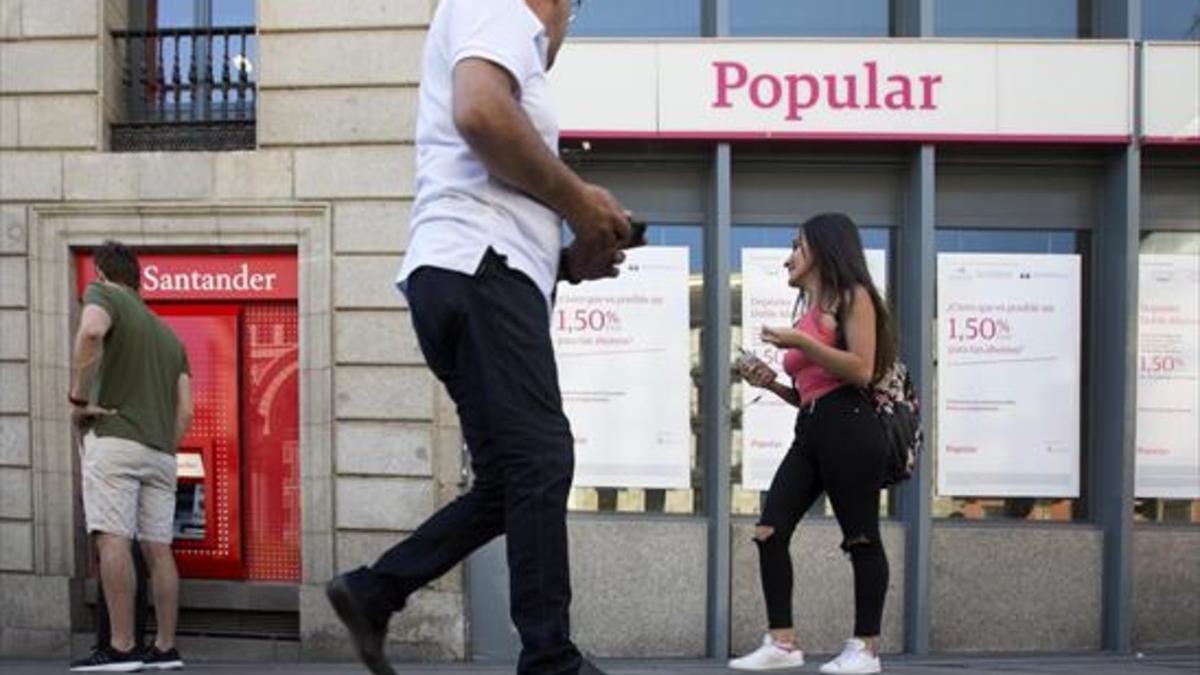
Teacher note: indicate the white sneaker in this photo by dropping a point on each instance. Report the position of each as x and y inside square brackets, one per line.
[855, 659]
[769, 656]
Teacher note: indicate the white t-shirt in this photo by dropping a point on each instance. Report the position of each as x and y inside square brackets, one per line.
[460, 210]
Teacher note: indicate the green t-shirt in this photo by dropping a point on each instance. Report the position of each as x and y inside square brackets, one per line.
[139, 372]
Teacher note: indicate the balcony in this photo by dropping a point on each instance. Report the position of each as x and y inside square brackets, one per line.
[185, 89]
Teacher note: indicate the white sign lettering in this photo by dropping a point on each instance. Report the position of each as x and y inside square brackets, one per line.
[154, 279]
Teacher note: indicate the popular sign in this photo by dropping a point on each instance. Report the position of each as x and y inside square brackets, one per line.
[871, 89]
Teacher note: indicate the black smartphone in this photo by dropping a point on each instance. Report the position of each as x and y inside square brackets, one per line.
[637, 233]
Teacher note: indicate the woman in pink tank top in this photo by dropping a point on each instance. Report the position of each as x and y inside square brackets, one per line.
[842, 341]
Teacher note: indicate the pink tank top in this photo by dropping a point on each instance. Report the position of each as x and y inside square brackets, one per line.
[810, 380]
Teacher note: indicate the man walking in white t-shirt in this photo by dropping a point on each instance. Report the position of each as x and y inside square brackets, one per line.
[483, 256]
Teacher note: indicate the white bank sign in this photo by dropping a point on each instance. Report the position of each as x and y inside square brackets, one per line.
[870, 89]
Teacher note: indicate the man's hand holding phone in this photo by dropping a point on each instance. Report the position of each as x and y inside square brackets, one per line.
[603, 230]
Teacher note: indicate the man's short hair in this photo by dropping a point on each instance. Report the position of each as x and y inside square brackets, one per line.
[119, 264]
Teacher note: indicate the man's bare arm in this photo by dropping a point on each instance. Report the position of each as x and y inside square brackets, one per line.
[183, 407]
[490, 118]
[89, 348]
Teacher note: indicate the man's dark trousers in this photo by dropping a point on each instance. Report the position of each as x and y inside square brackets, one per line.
[487, 338]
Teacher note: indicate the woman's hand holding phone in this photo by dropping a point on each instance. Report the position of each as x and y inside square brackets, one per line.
[754, 370]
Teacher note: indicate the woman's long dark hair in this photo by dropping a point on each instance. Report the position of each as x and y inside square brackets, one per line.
[837, 252]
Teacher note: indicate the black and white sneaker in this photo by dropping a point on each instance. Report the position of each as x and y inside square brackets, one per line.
[105, 659]
[156, 659]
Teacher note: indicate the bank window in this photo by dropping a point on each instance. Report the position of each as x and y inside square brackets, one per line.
[187, 76]
[762, 425]
[1050, 19]
[820, 18]
[638, 18]
[1171, 19]
[1167, 468]
[992, 337]
[628, 497]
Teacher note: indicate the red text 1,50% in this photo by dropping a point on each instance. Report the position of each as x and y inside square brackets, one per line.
[1160, 363]
[970, 328]
[587, 320]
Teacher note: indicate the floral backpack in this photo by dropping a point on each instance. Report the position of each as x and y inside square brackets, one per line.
[899, 412]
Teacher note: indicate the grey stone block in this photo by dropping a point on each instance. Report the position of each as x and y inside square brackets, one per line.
[384, 448]
[16, 555]
[10, 18]
[385, 338]
[289, 117]
[340, 58]
[9, 117]
[371, 227]
[14, 388]
[356, 172]
[254, 175]
[46, 66]
[14, 281]
[59, 121]
[105, 176]
[639, 587]
[33, 176]
[1019, 588]
[141, 175]
[366, 282]
[314, 14]
[176, 175]
[383, 392]
[1166, 587]
[38, 602]
[59, 18]
[17, 643]
[13, 230]
[14, 335]
[16, 493]
[14, 440]
[396, 504]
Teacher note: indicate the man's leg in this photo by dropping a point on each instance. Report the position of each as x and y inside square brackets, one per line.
[110, 504]
[439, 301]
[164, 580]
[533, 440]
[539, 572]
[140, 604]
[365, 598]
[103, 626]
[141, 600]
[116, 574]
[156, 529]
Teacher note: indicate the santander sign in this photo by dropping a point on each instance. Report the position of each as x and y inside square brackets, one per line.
[794, 94]
[209, 277]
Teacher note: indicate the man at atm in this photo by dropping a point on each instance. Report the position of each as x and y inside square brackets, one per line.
[131, 401]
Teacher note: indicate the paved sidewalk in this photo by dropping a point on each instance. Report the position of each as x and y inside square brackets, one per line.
[1089, 664]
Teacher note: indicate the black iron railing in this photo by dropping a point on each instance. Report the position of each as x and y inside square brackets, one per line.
[186, 89]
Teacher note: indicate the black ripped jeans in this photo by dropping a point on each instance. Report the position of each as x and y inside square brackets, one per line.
[838, 450]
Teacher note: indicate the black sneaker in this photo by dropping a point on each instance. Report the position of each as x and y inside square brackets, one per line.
[366, 633]
[105, 659]
[156, 659]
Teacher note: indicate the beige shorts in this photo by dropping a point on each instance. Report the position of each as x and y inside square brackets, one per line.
[128, 489]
